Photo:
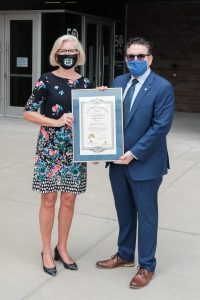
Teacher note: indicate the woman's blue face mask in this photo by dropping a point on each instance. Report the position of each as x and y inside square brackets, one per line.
[137, 67]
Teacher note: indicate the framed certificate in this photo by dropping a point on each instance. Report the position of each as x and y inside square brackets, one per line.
[98, 124]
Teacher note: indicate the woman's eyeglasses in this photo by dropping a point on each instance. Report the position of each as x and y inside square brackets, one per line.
[138, 56]
[67, 51]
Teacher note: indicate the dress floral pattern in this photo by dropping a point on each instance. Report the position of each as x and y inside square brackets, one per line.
[54, 168]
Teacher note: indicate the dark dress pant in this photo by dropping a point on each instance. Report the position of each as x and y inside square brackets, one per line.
[137, 207]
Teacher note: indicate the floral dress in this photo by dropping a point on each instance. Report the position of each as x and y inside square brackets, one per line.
[54, 168]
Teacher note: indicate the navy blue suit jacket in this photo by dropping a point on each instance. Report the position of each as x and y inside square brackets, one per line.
[148, 125]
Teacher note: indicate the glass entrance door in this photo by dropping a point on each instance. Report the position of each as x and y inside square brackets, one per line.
[99, 41]
[20, 60]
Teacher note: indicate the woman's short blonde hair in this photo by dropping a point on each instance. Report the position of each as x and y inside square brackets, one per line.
[57, 45]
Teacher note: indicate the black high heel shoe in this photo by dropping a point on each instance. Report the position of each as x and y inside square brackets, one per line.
[49, 271]
[57, 257]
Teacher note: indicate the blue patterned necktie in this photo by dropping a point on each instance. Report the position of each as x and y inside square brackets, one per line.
[128, 99]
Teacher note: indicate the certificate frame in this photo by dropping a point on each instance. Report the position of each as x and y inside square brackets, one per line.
[98, 124]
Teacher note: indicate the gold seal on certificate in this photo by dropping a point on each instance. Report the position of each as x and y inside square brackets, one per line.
[98, 130]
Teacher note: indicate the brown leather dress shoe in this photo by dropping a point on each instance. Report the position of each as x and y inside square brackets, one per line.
[141, 278]
[114, 262]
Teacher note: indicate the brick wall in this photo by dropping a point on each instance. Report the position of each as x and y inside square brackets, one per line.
[174, 28]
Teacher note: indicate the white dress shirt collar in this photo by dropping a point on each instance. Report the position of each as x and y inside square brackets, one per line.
[143, 77]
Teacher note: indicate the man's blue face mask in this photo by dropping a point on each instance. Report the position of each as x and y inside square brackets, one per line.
[137, 67]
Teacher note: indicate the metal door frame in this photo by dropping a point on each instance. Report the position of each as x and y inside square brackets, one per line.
[99, 47]
[2, 31]
[5, 57]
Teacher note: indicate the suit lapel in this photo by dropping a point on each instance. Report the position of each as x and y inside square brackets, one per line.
[142, 92]
[125, 81]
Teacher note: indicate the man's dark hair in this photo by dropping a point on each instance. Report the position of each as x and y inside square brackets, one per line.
[140, 41]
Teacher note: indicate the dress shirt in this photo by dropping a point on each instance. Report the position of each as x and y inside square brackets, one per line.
[141, 79]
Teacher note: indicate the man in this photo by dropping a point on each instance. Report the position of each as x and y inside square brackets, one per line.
[136, 177]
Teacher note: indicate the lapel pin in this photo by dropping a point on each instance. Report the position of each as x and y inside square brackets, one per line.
[145, 89]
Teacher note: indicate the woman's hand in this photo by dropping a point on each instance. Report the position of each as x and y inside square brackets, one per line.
[66, 119]
[102, 88]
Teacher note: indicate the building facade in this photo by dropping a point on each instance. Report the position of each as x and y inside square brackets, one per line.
[27, 34]
[28, 30]
[174, 28]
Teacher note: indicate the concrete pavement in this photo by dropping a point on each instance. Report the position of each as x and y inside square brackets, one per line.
[95, 228]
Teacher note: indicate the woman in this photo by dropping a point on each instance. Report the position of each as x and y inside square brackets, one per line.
[54, 169]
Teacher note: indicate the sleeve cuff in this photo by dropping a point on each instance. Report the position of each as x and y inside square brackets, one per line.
[134, 156]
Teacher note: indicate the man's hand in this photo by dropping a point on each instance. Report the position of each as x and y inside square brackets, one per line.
[125, 159]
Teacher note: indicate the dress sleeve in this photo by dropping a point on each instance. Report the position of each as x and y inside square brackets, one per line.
[38, 96]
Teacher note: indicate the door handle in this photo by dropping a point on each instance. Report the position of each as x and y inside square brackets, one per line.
[6, 61]
[6, 70]
[102, 66]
